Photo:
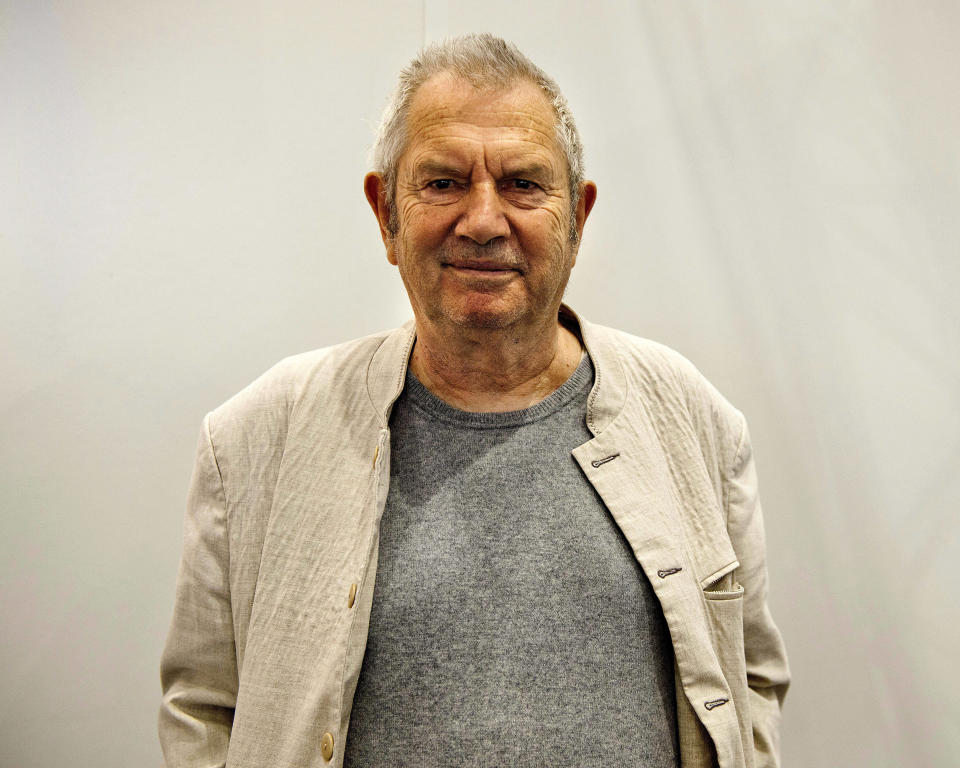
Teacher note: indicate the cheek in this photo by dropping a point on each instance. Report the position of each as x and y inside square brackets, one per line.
[547, 236]
[425, 225]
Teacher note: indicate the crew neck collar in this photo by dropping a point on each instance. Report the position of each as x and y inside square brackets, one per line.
[423, 398]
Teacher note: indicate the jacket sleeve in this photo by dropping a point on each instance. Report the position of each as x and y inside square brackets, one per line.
[768, 675]
[198, 670]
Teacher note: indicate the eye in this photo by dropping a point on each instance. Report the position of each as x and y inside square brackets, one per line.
[522, 185]
[441, 185]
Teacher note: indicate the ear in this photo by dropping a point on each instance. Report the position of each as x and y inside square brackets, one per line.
[374, 187]
[588, 196]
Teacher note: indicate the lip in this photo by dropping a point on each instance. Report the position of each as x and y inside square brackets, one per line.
[481, 267]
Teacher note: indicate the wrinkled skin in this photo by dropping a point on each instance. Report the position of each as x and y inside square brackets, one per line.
[483, 182]
[483, 211]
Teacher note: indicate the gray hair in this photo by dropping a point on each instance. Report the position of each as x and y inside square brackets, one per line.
[485, 61]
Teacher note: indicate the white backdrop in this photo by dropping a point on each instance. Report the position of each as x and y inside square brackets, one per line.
[181, 206]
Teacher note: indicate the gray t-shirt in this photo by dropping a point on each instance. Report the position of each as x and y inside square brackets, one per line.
[511, 623]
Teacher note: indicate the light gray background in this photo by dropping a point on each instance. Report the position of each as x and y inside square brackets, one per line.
[181, 206]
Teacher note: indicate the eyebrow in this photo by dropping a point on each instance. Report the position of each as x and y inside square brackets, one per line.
[437, 168]
[533, 171]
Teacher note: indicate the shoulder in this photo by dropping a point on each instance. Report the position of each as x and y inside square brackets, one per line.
[330, 375]
[673, 391]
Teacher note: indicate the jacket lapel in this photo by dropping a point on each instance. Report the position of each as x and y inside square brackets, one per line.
[626, 465]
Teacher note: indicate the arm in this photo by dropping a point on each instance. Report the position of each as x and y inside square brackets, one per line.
[768, 675]
[198, 671]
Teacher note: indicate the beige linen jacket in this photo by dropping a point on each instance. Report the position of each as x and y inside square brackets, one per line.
[280, 552]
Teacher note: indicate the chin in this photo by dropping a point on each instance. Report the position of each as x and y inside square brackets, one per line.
[484, 317]
[484, 321]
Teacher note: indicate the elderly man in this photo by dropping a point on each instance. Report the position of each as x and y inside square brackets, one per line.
[499, 535]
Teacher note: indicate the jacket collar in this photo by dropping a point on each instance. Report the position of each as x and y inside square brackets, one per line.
[387, 371]
[609, 391]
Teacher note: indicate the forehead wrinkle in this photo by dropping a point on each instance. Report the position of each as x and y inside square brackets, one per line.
[468, 129]
[490, 116]
[512, 153]
[446, 99]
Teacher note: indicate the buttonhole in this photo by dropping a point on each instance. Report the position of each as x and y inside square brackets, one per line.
[714, 703]
[604, 460]
[668, 572]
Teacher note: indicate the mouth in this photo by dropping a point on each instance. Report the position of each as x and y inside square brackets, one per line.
[481, 268]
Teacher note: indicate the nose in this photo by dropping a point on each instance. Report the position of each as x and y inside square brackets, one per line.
[483, 218]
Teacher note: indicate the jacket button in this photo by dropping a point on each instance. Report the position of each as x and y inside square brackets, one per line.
[352, 596]
[326, 745]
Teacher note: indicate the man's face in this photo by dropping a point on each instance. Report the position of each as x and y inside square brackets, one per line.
[483, 207]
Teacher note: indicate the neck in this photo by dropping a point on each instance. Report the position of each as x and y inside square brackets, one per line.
[494, 370]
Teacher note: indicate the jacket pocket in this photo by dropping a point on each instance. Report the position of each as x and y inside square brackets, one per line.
[725, 613]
